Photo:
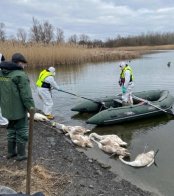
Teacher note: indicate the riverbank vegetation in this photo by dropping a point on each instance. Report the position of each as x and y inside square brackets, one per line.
[39, 55]
[45, 45]
[64, 54]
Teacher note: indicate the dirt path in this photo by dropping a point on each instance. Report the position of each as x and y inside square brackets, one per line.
[60, 169]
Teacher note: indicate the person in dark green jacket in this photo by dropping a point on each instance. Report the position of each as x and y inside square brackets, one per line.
[3, 121]
[15, 101]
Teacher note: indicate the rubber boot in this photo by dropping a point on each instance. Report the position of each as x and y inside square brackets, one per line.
[11, 150]
[21, 153]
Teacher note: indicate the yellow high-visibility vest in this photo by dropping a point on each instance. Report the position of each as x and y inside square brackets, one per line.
[122, 75]
[44, 74]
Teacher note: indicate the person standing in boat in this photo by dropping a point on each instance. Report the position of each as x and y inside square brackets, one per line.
[126, 83]
[45, 84]
[3, 121]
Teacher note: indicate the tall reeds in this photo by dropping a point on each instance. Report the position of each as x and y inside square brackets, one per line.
[40, 55]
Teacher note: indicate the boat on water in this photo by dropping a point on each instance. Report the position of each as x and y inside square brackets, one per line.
[109, 110]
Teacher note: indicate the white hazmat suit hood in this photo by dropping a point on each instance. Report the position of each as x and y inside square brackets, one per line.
[52, 70]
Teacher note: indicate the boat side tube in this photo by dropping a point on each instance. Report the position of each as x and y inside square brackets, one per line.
[134, 112]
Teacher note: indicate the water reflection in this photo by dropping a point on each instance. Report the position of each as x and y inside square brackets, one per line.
[66, 74]
[82, 116]
[126, 130]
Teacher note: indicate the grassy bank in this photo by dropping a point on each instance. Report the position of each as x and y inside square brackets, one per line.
[40, 55]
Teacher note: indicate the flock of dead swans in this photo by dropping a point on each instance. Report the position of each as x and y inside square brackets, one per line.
[111, 144]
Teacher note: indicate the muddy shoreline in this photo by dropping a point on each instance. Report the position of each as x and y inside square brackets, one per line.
[70, 171]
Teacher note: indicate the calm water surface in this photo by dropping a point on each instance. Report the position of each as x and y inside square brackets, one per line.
[97, 80]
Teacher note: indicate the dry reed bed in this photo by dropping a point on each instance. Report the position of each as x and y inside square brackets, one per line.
[39, 55]
[42, 180]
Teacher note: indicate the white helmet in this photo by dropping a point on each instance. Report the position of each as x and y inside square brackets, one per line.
[122, 64]
[52, 70]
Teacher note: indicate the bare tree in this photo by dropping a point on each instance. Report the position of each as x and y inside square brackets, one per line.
[2, 31]
[47, 31]
[73, 39]
[97, 43]
[59, 35]
[35, 30]
[21, 35]
[42, 32]
[83, 39]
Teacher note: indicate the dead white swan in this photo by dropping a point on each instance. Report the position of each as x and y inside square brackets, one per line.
[80, 139]
[108, 139]
[74, 129]
[60, 126]
[38, 117]
[113, 149]
[76, 134]
[142, 160]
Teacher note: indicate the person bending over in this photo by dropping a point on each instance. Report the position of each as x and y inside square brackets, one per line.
[45, 84]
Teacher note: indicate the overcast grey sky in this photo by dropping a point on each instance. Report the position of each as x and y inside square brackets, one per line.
[99, 19]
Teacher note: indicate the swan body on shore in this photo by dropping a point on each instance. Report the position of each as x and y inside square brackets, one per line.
[108, 139]
[38, 117]
[78, 130]
[112, 149]
[80, 140]
[76, 134]
[142, 160]
[74, 129]
[60, 126]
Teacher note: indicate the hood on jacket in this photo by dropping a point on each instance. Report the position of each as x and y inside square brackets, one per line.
[8, 66]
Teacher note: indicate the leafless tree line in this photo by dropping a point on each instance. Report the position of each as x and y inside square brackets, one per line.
[150, 39]
[46, 33]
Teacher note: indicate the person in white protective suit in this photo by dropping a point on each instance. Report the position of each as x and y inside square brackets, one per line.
[126, 83]
[3, 121]
[45, 84]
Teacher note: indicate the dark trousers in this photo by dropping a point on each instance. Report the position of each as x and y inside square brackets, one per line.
[17, 130]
